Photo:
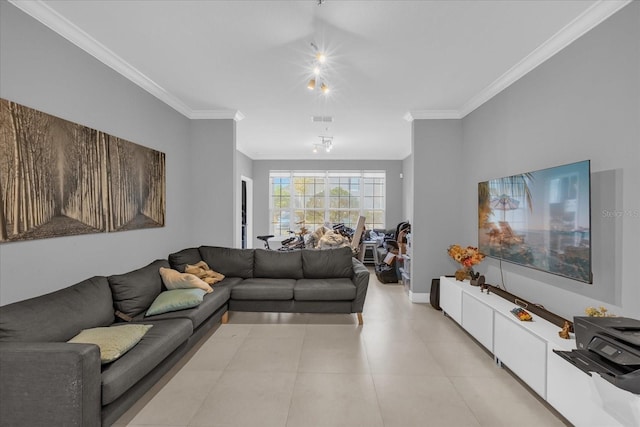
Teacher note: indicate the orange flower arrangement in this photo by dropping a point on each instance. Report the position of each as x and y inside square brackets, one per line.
[467, 257]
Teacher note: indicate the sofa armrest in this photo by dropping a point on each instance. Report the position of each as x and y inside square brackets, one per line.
[50, 384]
[360, 278]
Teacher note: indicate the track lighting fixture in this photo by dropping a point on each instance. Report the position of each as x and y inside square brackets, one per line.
[326, 144]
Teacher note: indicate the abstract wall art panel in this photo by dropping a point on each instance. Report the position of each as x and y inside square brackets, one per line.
[59, 178]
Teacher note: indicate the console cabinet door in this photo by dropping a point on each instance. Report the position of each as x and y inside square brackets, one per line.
[477, 319]
[451, 299]
[523, 352]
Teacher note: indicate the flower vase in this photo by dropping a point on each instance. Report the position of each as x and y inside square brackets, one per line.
[464, 273]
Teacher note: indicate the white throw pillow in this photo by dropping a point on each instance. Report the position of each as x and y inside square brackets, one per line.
[173, 279]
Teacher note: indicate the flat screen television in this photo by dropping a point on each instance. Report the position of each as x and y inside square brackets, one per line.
[539, 219]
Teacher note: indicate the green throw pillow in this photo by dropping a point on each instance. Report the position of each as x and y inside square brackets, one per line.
[114, 341]
[175, 299]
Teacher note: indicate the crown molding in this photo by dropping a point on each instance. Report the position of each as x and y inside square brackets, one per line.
[61, 25]
[432, 115]
[584, 22]
[216, 115]
[590, 18]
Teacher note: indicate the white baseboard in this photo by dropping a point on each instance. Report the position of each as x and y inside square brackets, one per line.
[420, 298]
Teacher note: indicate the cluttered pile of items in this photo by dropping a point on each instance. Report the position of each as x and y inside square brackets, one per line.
[391, 251]
[392, 248]
[324, 237]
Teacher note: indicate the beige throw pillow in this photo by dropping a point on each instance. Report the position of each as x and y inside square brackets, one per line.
[173, 279]
[202, 271]
[114, 341]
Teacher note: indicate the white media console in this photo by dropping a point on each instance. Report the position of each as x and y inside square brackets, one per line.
[526, 348]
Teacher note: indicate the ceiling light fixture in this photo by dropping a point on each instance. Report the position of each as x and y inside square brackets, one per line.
[312, 84]
[318, 70]
[326, 144]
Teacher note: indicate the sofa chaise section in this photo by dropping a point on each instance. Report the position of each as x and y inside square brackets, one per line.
[44, 380]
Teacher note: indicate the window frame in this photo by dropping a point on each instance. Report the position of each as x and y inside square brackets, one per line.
[370, 199]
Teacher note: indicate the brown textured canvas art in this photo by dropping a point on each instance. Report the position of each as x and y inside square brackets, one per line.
[59, 178]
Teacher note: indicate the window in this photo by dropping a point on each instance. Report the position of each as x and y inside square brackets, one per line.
[314, 199]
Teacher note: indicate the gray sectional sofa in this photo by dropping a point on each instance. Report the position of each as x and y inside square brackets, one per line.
[46, 381]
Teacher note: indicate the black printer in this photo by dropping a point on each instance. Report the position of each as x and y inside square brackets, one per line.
[609, 346]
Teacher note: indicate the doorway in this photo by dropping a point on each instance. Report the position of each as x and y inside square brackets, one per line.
[246, 213]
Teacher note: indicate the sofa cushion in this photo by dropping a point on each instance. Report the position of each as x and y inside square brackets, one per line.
[113, 341]
[277, 265]
[229, 261]
[179, 260]
[264, 289]
[324, 290]
[175, 300]
[158, 343]
[133, 292]
[60, 315]
[228, 283]
[327, 263]
[211, 303]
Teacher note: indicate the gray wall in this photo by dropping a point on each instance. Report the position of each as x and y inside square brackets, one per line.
[584, 103]
[261, 169]
[215, 182]
[43, 71]
[245, 165]
[407, 188]
[437, 200]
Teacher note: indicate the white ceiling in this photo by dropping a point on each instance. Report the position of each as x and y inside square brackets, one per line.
[210, 59]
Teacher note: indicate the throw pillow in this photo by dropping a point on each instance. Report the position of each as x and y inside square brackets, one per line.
[114, 341]
[173, 279]
[202, 271]
[174, 300]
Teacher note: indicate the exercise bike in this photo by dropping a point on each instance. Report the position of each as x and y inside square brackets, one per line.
[265, 239]
[289, 244]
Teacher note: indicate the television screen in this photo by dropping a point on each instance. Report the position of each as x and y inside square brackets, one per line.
[539, 219]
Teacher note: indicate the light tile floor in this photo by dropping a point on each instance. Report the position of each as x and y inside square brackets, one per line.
[408, 365]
